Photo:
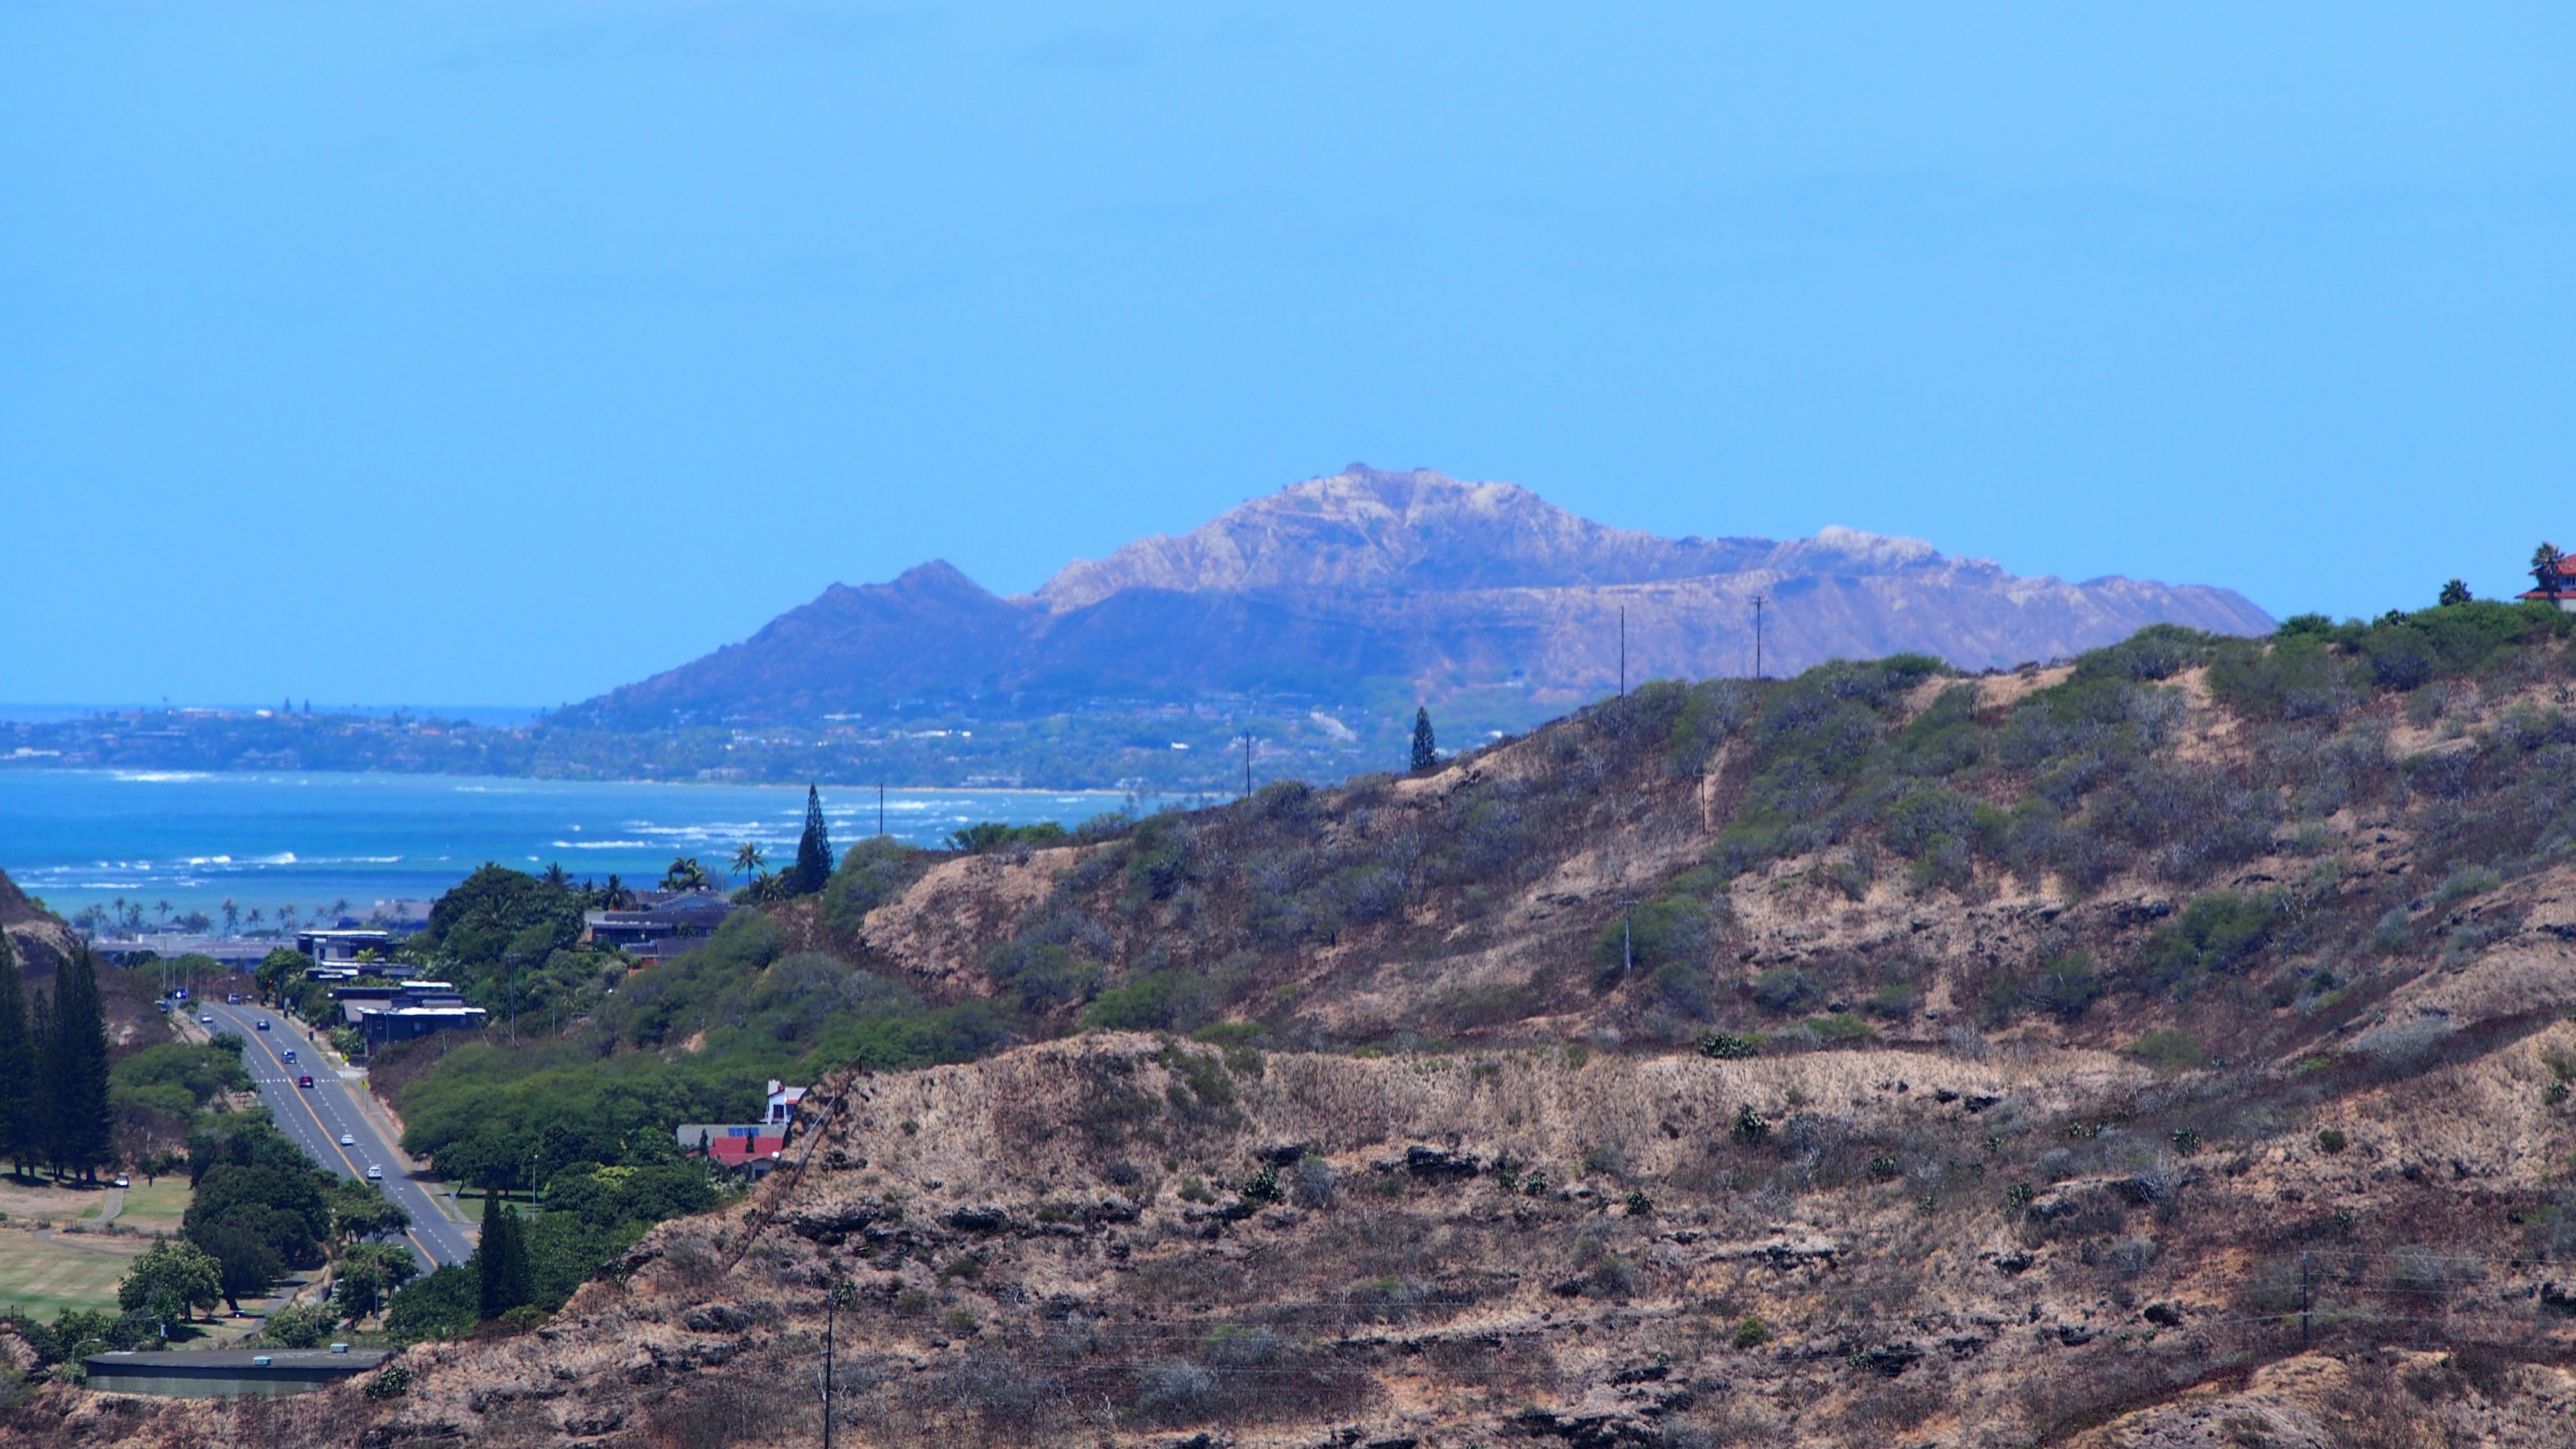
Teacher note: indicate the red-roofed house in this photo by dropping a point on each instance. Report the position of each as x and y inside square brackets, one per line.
[754, 1147]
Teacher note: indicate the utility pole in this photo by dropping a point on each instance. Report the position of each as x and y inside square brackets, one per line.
[880, 807]
[2304, 1300]
[1623, 651]
[831, 1303]
[1247, 764]
[1758, 602]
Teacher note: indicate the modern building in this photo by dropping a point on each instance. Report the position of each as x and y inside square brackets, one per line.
[338, 946]
[224, 1373]
[412, 1009]
[660, 928]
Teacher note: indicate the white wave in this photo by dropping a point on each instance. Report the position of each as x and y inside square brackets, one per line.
[156, 777]
[603, 845]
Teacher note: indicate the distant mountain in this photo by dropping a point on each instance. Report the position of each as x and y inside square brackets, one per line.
[1411, 585]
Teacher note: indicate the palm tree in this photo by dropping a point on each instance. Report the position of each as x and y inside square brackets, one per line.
[685, 874]
[253, 920]
[616, 896]
[161, 913]
[232, 917]
[2548, 570]
[556, 879]
[339, 908]
[747, 857]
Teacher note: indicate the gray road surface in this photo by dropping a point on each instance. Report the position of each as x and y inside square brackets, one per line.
[316, 1116]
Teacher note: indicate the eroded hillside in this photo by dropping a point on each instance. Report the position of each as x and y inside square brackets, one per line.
[2171, 1050]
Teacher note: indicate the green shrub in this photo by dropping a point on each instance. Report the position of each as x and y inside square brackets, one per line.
[2215, 934]
[1752, 1333]
[2331, 1141]
[1726, 1048]
[2066, 986]
[2172, 1049]
[1841, 1028]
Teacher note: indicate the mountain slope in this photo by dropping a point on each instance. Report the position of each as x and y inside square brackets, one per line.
[2170, 1050]
[1428, 584]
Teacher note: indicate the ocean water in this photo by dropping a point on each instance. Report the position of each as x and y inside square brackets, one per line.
[312, 839]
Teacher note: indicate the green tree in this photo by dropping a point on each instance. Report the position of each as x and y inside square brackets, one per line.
[2455, 592]
[1426, 750]
[501, 1260]
[75, 1070]
[244, 1266]
[19, 1138]
[277, 972]
[173, 1278]
[370, 1274]
[747, 859]
[813, 848]
[685, 874]
[2547, 569]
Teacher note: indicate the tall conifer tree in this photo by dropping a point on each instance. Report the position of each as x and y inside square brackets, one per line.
[1426, 751]
[44, 1099]
[17, 1064]
[81, 1122]
[814, 848]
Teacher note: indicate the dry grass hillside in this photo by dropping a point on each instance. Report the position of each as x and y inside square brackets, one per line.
[2172, 1050]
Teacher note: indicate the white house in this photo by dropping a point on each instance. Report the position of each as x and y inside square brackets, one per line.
[782, 1102]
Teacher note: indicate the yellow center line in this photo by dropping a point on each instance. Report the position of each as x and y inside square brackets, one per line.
[354, 1170]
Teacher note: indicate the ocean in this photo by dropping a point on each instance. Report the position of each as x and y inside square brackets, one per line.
[314, 839]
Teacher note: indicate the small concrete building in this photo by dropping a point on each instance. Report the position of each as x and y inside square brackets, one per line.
[224, 1373]
[783, 1102]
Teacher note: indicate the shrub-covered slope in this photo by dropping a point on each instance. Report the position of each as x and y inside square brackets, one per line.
[2168, 1050]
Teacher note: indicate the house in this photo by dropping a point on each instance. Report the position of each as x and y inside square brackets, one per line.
[414, 1009]
[782, 1102]
[2557, 584]
[755, 1148]
[660, 929]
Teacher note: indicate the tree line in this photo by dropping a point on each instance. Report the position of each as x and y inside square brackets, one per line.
[53, 1069]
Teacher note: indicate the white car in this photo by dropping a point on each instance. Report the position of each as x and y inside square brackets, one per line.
[375, 1174]
[204, 1020]
[348, 1141]
[124, 1181]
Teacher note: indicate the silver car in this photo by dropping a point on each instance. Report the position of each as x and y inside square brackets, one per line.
[375, 1174]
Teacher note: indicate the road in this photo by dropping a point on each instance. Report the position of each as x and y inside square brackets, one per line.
[318, 1115]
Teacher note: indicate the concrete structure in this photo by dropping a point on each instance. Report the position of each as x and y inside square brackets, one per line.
[223, 1373]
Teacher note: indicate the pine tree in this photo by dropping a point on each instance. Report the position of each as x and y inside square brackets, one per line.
[1426, 753]
[43, 1099]
[18, 1140]
[813, 849]
[78, 1070]
[492, 1257]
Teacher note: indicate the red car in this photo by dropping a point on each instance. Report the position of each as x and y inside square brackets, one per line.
[304, 1081]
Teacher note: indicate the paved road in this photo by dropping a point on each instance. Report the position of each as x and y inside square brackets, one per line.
[316, 1116]
[110, 1205]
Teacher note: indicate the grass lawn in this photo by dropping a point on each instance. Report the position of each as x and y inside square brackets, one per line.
[24, 1198]
[42, 1276]
[155, 1209]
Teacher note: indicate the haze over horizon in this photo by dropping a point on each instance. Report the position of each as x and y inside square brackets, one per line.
[512, 353]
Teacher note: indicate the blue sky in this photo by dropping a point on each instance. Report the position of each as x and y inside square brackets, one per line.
[499, 353]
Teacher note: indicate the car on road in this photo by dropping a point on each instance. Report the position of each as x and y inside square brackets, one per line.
[304, 1081]
[348, 1141]
[233, 1000]
[290, 1054]
[204, 1019]
[124, 1181]
[263, 1023]
[375, 1173]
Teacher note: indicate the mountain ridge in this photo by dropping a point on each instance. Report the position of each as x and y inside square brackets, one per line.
[1435, 584]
